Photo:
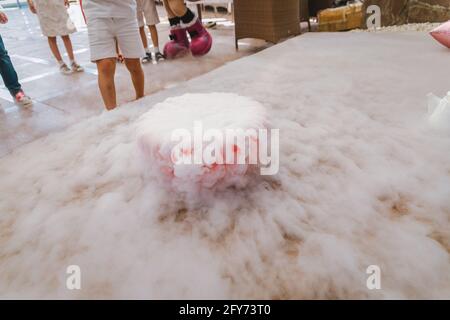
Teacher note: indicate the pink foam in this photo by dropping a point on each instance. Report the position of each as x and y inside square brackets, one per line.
[189, 166]
[201, 43]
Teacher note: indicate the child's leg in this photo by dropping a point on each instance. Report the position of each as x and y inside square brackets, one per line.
[106, 70]
[137, 76]
[54, 48]
[155, 38]
[7, 71]
[69, 48]
[151, 20]
[148, 54]
[177, 7]
[130, 43]
[141, 25]
[143, 36]
[73, 64]
[170, 13]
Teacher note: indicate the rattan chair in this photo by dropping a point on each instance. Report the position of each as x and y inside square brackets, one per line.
[270, 20]
[304, 12]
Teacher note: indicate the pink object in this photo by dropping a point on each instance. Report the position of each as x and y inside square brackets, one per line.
[190, 177]
[201, 40]
[200, 142]
[179, 44]
[442, 34]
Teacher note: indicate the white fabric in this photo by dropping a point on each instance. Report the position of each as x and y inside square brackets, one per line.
[103, 33]
[147, 9]
[53, 18]
[109, 8]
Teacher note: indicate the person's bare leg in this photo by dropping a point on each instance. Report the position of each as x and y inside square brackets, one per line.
[106, 70]
[178, 7]
[170, 13]
[69, 48]
[54, 48]
[143, 37]
[154, 34]
[137, 76]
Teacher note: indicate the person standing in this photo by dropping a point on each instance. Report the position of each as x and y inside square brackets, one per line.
[55, 21]
[8, 73]
[109, 21]
[147, 9]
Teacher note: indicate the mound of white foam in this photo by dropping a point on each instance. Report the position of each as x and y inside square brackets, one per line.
[187, 139]
[361, 183]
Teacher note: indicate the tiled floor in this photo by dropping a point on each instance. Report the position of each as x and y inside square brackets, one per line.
[60, 101]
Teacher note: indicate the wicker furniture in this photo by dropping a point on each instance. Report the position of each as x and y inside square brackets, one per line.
[304, 12]
[271, 20]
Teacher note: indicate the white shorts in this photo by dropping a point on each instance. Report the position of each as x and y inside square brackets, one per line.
[103, 33]
[146, 9]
